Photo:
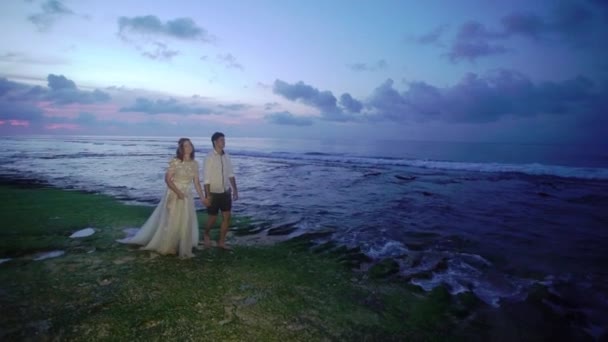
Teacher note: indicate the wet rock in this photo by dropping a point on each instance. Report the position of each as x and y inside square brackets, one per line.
[312, 235]
[283, 229]
[406, 178]
[48, 255]
[250, 229]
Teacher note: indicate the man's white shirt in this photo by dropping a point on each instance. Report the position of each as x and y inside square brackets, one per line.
[217, 171]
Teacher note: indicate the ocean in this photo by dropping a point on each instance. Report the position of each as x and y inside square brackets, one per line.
[490, 218]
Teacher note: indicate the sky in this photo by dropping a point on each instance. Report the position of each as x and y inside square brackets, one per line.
[489, 71]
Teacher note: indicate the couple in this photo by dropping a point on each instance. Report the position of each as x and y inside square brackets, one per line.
[173, 226]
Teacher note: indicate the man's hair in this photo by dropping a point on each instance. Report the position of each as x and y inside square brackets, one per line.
[216, 136]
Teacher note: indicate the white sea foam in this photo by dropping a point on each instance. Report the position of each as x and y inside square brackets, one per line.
[83, 233]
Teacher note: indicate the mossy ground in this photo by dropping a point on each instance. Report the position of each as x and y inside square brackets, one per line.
[101, 289]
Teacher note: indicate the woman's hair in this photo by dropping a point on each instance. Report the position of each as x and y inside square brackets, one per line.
[180, 149]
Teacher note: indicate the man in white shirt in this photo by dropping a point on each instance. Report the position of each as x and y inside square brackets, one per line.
[220, 188]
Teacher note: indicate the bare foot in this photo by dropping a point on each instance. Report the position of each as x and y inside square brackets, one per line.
[223, 246]
[207, 241]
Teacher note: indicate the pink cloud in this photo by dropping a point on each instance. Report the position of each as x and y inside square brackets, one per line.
[56, 126]
[22, 123]
[102, 112]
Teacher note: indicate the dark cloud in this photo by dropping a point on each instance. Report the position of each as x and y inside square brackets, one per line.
[170, 106]
[287, 118]
[571, 18]
[379, 65]
[23, 111]
[60, 82]
[150, 25]
[350, 104]
[431, 38]
[60, 90]
[64, 91]
[569, 22]
[387, 104]
[324, 101]
[474, 40]
[481, 99]
[52, 10]
[7, 86]
[524, 24]
[229, 61]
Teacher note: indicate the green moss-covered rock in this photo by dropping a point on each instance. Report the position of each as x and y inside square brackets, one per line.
[384, 268]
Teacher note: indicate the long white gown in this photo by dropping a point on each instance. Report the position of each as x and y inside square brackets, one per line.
[173, 226]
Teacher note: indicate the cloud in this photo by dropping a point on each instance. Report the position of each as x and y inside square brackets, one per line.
[569, 22]
[379, 65]
[234, 106]
[7, 86]
[60, 82]
[60, 90]
[229, 61]
[162, 52]
[324, 101]
[52, 10]
[524, 24]
[16, 57]
[147, 34]
[64, 91]
[473, 41]
[19, 111]
[350, 104]
[488, 98]
[150, 25]
[287, 118]
[271, 105]
[431, 38]
[170, 106]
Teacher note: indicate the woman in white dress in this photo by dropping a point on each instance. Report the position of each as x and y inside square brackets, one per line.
[173, 226]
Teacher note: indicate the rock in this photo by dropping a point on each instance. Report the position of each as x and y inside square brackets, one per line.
[251, 229]
[283, 229]
[384, 268]
[324, 247]
[407, 178]
[311, 235]
[48, 255]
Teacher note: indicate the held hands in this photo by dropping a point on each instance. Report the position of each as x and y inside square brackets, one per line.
[180, 195]
[206, 201]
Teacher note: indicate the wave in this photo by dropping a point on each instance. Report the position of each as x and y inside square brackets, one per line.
[534, 169]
